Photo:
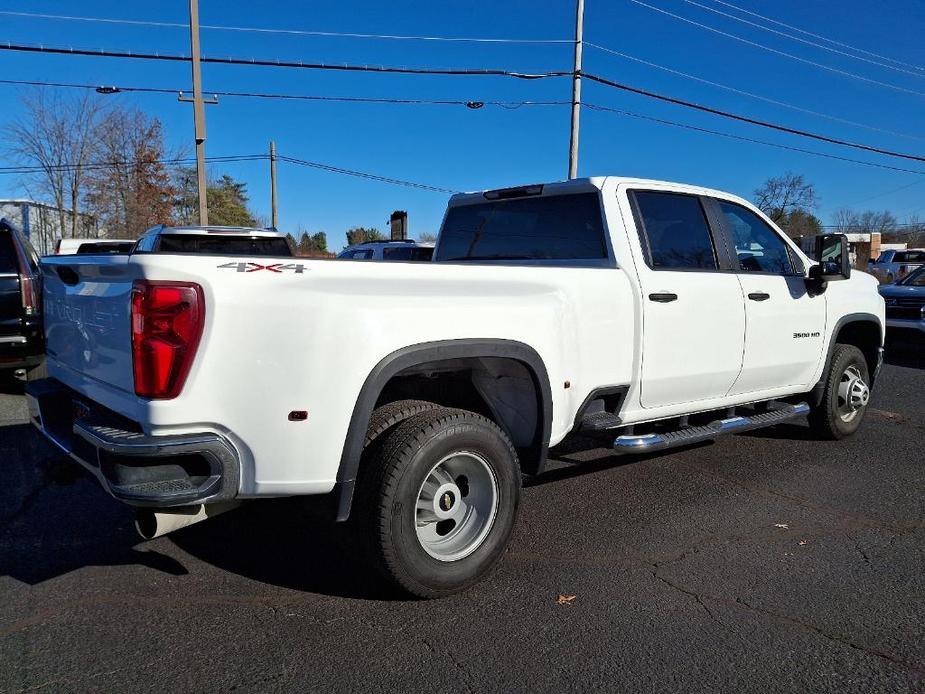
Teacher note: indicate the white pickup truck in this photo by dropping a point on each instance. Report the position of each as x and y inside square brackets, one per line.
[415, 396]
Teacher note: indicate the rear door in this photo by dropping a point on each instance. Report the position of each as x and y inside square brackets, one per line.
[785, 325]
[693, 313]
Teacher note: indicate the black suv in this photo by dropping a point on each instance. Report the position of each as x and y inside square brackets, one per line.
[21, 342]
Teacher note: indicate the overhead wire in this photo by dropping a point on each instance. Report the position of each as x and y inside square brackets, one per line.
[816, 36]
[751, 95]
[822, 66]
[807, 42]
[293, 32]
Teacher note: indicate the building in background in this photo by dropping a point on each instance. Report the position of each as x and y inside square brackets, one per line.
[44, 224]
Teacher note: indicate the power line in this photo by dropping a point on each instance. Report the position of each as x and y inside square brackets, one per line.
[368, 176]
[821, 66]
[708, 131]
[293, 32]
[805, 41]
[751, 121]
[302, 97]
[39, 168]
[888, 192]
[29, 169]
[262, 62]
[751, 95]
[816, 36]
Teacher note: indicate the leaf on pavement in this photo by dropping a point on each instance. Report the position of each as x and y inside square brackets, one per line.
[566, 599]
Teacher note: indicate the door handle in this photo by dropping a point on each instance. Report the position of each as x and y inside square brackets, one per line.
[663, 297]
[759, 296]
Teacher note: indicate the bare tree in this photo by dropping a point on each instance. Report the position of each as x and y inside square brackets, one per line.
[782, 195]
[58, 135]
[847, 221]
[129, 188]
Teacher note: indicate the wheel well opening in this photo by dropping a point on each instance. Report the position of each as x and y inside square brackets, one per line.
[865, 335]
[502, 389]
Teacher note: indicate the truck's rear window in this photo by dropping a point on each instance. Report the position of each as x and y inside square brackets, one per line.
[223, 245]
[560, 227]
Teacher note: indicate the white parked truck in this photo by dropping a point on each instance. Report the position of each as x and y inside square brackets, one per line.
[415, 396]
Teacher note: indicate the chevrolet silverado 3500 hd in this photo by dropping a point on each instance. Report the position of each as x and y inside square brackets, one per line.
[415, 396]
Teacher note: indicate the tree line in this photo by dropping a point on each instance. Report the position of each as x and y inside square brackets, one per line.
[790, 201]
[110, 163]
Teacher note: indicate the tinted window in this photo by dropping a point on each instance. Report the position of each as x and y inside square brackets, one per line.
[105, 248]
[407, 253]
[8, 261]
[915, 279]
[563, 227]
[676, 230]
[758, 247]
[223, 245]
[909, 257]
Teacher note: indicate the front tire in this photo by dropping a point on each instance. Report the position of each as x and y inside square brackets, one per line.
[845, 396]
[437, 501]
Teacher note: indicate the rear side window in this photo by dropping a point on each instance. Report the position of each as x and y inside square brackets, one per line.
[675, 231]
[557, 227]
[8, 262]
[759, 248]
[105, 248]
[223, 245]
[909, 257]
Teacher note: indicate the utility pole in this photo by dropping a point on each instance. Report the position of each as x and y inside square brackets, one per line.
[199, 112]
[273, 216]
[576, 92]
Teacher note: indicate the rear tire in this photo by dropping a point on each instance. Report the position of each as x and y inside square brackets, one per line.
[845, 396]
[436, 503]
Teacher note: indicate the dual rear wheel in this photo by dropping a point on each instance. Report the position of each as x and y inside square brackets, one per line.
[437, 497]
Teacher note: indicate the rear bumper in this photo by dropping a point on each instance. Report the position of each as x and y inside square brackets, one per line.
[140, 470]
[23, 349]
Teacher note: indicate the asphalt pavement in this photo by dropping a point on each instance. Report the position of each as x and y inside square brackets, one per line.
[766, 562]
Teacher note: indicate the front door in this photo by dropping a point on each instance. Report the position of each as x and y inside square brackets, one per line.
[785, 325]
[692, 308]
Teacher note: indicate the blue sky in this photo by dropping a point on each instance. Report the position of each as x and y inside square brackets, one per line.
[462, 149]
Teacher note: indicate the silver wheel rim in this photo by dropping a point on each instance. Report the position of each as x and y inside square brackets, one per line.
[456, 506]
[853, 394]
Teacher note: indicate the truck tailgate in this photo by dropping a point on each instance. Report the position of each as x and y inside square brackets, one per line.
[88, 317]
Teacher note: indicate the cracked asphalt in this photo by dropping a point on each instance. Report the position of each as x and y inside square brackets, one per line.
[766, 562]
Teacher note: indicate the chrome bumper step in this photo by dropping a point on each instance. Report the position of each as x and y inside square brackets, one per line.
[640, 443]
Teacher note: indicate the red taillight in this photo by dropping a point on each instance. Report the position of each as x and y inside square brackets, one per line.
[167, 320]
[27, 287]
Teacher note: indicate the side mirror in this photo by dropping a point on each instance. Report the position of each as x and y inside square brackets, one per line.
[832, 256]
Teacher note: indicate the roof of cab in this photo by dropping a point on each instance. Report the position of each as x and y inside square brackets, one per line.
[211, 229]
[579, 185]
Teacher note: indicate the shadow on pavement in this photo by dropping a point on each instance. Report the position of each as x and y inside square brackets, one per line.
[55, 518]
[905, 350]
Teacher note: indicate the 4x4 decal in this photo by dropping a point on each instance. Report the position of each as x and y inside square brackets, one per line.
[251, 266]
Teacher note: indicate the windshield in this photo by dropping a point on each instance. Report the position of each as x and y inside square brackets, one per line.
[554, 227]
[914, 279]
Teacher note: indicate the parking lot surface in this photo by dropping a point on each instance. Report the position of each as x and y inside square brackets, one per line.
[765, 562]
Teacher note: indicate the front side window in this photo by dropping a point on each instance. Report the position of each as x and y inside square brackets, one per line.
[676, 231]
[556, 227]
[758, 247]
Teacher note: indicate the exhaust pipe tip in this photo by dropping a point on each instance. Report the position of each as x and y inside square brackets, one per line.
[151, 523]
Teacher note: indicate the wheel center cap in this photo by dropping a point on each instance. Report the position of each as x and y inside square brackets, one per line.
[447, 500]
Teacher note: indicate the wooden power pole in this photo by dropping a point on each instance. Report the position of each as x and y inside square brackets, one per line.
[576, 92]
[273, 214]
[199, 112]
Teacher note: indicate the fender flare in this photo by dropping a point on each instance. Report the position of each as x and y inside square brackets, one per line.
[815, 395]
[413, 355]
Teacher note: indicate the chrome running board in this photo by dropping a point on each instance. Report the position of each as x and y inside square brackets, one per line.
[640, 443]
